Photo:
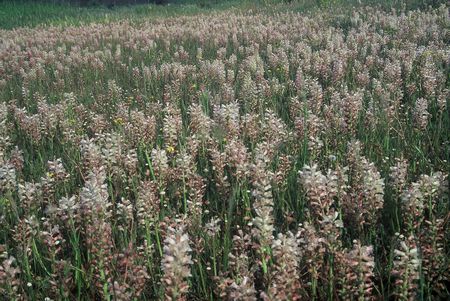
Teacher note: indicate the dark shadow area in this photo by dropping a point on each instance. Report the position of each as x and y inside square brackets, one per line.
[111, 3]
[108, 3]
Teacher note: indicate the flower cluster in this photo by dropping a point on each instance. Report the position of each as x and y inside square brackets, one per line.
[227, 156]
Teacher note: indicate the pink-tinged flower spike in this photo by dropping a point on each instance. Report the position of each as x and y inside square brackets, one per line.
[434, 259]
[406, 268]
[176, 264]
[200, 124]
[16, 159]
[398, 175]
[56, 175]
[274, 132]
[9, 278]
[4, 138]
[140, 128]
[421, 197]
[442, 100]
[7, 178]
[227, 117]
[352, 105]
[238, 281]
[91, 156]
[172, 127]
[160, 164]
[147, 204]
[367, 189]
[218, 162]
[356, 273]
[285, 284]
[29, 196]
[194, 189]
[263, 201]
[420, 114]
[132, 274]
[238, 159]
[312, 247]
[428, 74]
[320, 190]
[100, 245]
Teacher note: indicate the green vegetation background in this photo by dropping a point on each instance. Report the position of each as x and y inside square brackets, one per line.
[26, 13]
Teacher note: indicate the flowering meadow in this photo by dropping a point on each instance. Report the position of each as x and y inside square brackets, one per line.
[227, 156]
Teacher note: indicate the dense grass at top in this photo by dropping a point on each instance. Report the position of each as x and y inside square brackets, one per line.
[25, 13]
[29, 14]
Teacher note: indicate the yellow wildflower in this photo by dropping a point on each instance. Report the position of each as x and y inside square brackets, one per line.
[118, 121]
[170, 149]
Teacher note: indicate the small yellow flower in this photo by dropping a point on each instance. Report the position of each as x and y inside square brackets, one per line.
[427, 53]
[170, 149]
[118, 121]
[50, 175]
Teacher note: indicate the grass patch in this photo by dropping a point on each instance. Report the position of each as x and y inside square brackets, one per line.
[30, 13]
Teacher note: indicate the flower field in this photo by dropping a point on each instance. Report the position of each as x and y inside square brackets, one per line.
[236, 155]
